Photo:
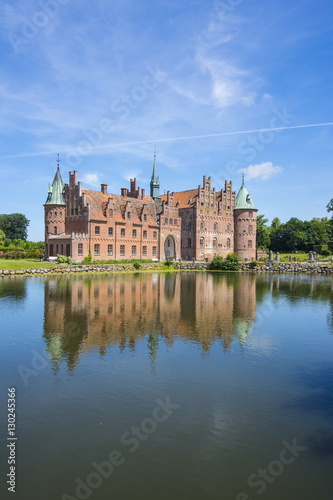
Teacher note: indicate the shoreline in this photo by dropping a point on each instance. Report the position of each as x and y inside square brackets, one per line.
[321, 268]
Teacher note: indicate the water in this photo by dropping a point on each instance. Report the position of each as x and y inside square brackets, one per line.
[173, 385]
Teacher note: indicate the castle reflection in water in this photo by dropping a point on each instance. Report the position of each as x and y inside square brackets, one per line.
[97, 311]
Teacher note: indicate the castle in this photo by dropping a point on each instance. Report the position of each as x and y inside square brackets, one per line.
[194, 224]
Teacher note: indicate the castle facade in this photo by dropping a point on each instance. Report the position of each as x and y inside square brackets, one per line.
[193, 224]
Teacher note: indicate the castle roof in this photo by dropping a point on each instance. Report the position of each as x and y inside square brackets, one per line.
[185, 198]
[244, 199]
[56, 191]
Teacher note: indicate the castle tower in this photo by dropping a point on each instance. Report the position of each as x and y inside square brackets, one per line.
[55, 208]
[245, 222]
[155, 183]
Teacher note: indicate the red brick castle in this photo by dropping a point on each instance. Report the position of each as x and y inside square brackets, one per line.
[194, 224]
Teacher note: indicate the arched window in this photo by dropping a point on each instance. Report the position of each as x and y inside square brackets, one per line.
[228, 243]
[250, 215]
[215, 227]
[214, 242]
[250, 230]
[249, 244]
[201, 226]
[228, 228]
[202, 242]
[189, 242]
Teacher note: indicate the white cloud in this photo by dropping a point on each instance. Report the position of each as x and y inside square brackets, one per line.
[93, 179]
[262, 171]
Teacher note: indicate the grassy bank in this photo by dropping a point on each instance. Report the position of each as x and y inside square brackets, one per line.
[24, 264]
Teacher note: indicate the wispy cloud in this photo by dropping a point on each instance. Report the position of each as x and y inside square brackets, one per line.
[92, 179]
[261, 171]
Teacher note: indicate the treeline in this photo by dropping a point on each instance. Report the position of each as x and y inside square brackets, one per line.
[13, 236]
[296, 235]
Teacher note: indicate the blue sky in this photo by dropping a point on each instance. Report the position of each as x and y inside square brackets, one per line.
[210, 83]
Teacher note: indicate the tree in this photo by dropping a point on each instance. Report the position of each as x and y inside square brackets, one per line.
[263, 237]
[276, 235]
[329, 206]
[14, 226]
[2, 236]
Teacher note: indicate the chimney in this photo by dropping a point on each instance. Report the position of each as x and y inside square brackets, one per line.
[124, 192]
[143, 192]
[104, 188]
[73, 177]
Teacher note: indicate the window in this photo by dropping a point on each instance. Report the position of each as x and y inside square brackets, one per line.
[202, 242]
[228, 243]
[215, 227]
[55, 214]
[62, 249]
[228, 228]
[122, 232]
[188, 226]
[214, 243]
[249, 244]
[133, 249]
[97, 230]
[250, 230]
[110, 249]
[201, 226]
[110, 231]
[60, 215]
[145, 217]
[166, 220]
[145, 234]
[55, 230]
[155, 235]
[96, 249]
[76, 211]
[128, 215]
[51, 250]
[122, 249]
[175, 222]
[134, 233]
[189, 242]
[155, 251]
[72, 211]
[170, 222]
[168, 242]
[144, 250]
[50, 214]
[250, 215]
[110, 212]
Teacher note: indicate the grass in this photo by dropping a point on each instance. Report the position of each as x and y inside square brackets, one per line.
[24, 264]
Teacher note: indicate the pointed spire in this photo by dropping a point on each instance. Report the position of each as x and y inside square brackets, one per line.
[155, 181]
[56, 191]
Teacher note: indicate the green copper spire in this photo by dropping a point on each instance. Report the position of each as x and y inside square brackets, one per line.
[155, 182]
[243, 199]
[55, 194]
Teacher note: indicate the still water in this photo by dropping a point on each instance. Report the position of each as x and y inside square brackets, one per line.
[185, 385]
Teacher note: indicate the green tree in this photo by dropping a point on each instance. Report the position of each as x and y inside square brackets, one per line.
[2, 236]
[329, 206]
[14, 226]
[263, 236]
[276, 235]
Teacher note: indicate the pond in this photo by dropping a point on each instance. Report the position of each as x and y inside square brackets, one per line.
[183, 385]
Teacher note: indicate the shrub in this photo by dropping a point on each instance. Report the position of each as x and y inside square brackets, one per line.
[62, 259]
[230, 263]
[87, 259]
[136, 265]
[168, 263]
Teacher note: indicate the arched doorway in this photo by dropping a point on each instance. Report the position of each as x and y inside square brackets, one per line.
[170, 248]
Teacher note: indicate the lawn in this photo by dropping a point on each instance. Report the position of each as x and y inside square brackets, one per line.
[24, 264]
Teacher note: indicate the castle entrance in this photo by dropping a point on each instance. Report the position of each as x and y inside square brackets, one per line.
[170, 248]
